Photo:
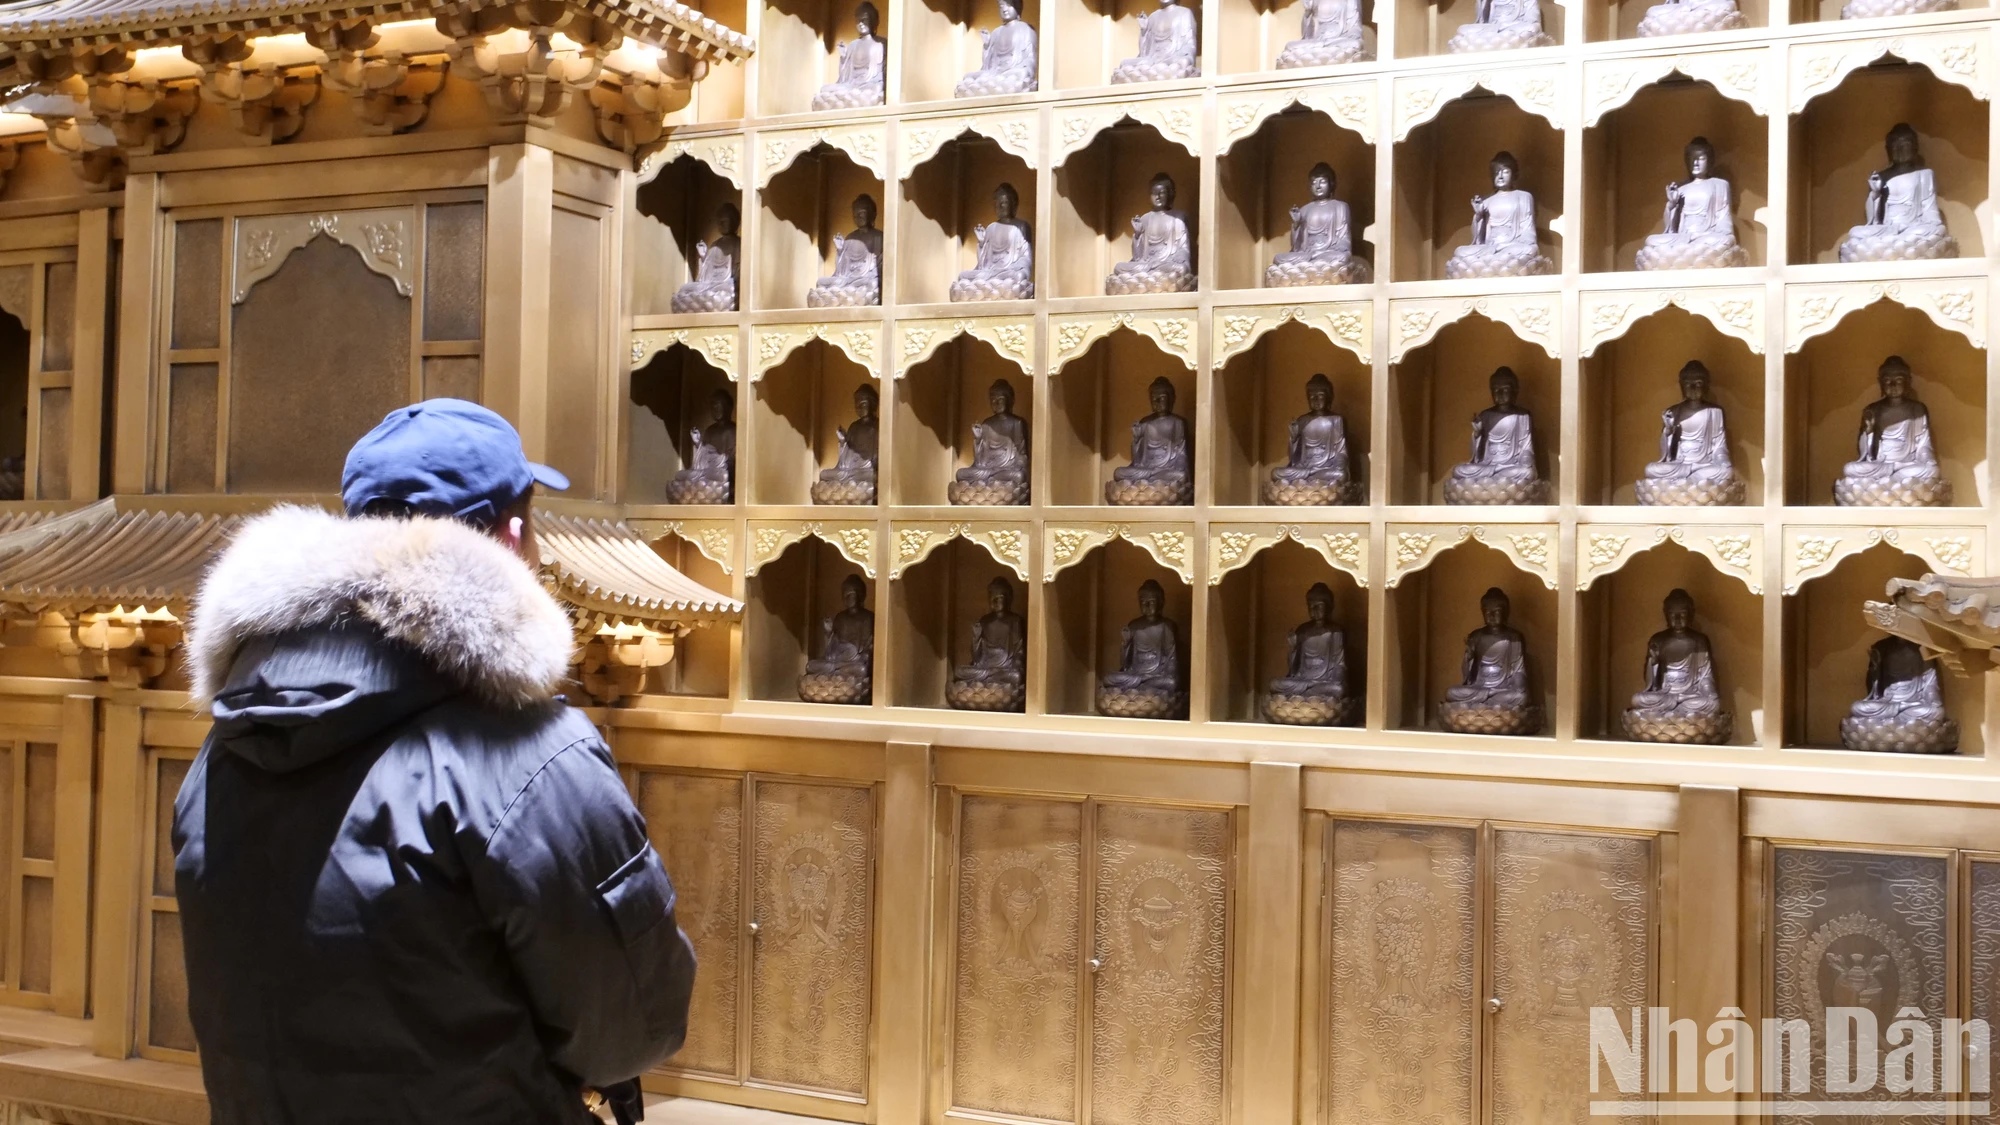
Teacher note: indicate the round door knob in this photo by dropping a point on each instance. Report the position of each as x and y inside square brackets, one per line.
[753, 929]
[1095, 964]
[1494, 1004]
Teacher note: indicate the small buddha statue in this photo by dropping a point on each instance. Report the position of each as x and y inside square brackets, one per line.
[1898, 468]
[1316, 469]
[716, 268]
[1329, 34]
[1007, 61]
[1162, 468]
[863, 64]
[1005, 268]
[1903, 218]
[1492, 696]
[1313, 690]
[1168, 47]
[1162, 248]
[1504, 241]
[1501, 25]
[857, 264]
[1680, 702]
[851, 480]
[999, 470]
[1904, 709]
[844, 671]
[996, 680]
[1149, 682]
[1876, 9]
[1690, 17]
[1699, 230]
[1694, 466]
[710, 477]
[1502, 469]
[1322, 250]
[13, 477]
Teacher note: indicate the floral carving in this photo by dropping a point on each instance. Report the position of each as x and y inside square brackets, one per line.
[1411, 546]
[1415, 323]
[1007, 543]
[1960, 59]
[1533, 549]
[1815, 310]
[1069, 337]
[1065, 542]
[1953, 551]
[1241, 117]
[721, 347]
[770, 346]
[1608, 317]
[1814, 550]
[1173, 547]
[1736, 313]
[767, 541]
[910, 543]
[1175, 332]
[1955, 304]
[1345, 547]
[1236, 329]
[862, 344]
[1534, 318]
[1013, 339]
[1605, 549]
[859, 542]
[1732, 549]
[915, 340]
[1347, 326]
[715, 543]
[1231, 545]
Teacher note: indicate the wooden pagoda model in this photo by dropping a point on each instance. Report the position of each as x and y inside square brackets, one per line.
[232, 238]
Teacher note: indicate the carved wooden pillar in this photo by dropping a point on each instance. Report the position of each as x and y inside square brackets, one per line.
[519, 219]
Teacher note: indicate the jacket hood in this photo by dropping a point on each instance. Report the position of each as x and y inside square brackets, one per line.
[293, 617]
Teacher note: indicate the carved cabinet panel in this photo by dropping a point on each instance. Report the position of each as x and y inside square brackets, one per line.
[775, 887]
[1090, 953]
[1403, 995]
[1461, 964]
[1860, 930]
[1985, 943]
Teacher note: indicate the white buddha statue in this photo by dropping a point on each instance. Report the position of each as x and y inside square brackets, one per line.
[1504, 240]
[1169, 47]
[1501, 25]
[863, 66]
[1690, 17]
[1699, 228]
[1322, 250]
[1898, 467]
[1329, 34]
[1162, 249]
[1007, 60]
[1903, 217]
[1005, 268]
[1694, 466]
[1876, 9]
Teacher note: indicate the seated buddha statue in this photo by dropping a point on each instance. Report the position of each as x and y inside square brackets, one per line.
[857, 264]
[1162, 249]
[1005, 268]
[1902, 211]
[1699, 229]
[844, 670]
[1898, 467]
[716, 267]
[1316, 469]
[1504, 240]
[1694, 466]
[996, 680]
[1680, 702]
[1007, 58]
[1691, 17]
[1322, 250]
[1150, 682]
[1492, 696]
[1329, 34]
[1169, 47]
[1162, 468]
[1904, 710]
[1313, 690]
[710, 477]
[863, 66]
[999, 470]
[1503, 468]
[1501, 25]
[851, 480]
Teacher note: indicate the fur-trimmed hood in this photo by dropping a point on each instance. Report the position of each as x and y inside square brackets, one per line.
[463, 603]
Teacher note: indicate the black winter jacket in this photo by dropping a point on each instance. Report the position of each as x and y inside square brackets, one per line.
[412, 885]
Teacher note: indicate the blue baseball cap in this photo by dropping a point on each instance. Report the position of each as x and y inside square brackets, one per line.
[443, 457]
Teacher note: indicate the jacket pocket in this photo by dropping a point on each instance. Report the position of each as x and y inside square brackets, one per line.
[639, 896]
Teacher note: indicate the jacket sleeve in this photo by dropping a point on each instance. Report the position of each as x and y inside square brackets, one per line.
[587, 913]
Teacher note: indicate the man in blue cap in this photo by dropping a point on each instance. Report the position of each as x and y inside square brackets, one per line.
[412, 886]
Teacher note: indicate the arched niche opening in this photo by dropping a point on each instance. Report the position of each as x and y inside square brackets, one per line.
[700, 666]
[677, 209]
[1446, 161]
[1100, 189]
[671, 396]
[1430, 613]
[1825, 655]
[1630, 381]
[1259, 392]
[1088, 605]
[937, 403]
[797, 412]
[1094, 401]
[800, 211]
[1839, 140]
[942, 42]
[1263, 176]
[1833, 377]
[935, 606]
[1437, 390]
[789, 600]
[1622, 610]
[945, 200]
[1251, 614]
[1636, 150]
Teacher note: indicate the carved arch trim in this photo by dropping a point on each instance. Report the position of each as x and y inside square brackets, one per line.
[381, 236]
[1016, 133]
[1532, 547]
[1012, 337]
[1421, 97]
[1172, 546]
[769, 539]
[1343, 545]
[1814, 552]
[1736, 311]
[722, 155]
[1006, 542]
[1174, 332]
[1735, 550]
[867, 145]
[715, 539]
[1534, 317]
[1742, 75]
[1960, 57]
[717, 346]
[1351, 105]
[1350, 324]
[1956, 303]
[1176, 119]
[860, 341]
